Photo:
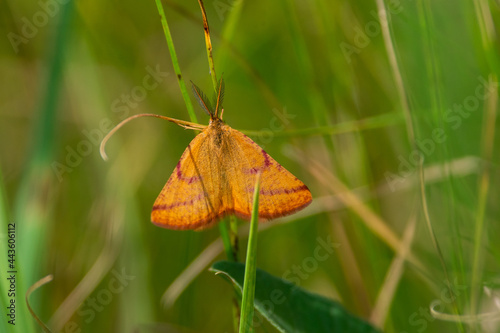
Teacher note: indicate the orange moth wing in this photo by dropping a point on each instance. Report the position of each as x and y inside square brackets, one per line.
[215, 177]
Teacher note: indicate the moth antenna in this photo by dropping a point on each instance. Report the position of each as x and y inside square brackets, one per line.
[202, 100]
[220, 96]
[182, 123]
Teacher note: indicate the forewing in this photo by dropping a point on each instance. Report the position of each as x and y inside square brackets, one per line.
[281, 192]
[190, 198]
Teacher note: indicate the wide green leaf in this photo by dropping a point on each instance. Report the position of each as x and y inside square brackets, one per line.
[291, 308]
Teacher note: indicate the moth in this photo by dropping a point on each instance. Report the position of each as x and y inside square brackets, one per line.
[216, 175]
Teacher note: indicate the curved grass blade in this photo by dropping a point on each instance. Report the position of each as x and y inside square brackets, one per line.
[31, 289]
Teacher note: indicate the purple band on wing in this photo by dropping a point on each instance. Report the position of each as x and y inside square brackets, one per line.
[188, 180]
[267, 163]
[179, 203]
[266, 159]
[284, 190]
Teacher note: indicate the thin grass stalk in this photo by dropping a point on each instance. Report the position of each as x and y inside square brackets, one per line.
[435, 91]
[393, 276]
[396, 73]
[247, 306]
[175, 62]
[226, 240]
[233, 234]
[487, 148]
[230, 29]
[488, 38]
[488, 34]
[379, 121]
[237, 56]
[208, 43]
[316, 101]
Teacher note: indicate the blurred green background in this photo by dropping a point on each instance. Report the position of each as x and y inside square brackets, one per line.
[391, 123]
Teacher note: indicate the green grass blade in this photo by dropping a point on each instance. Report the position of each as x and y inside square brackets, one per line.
[481, 223]
[488, 36]
[247, 308]
[175, 62]
[33, 207]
